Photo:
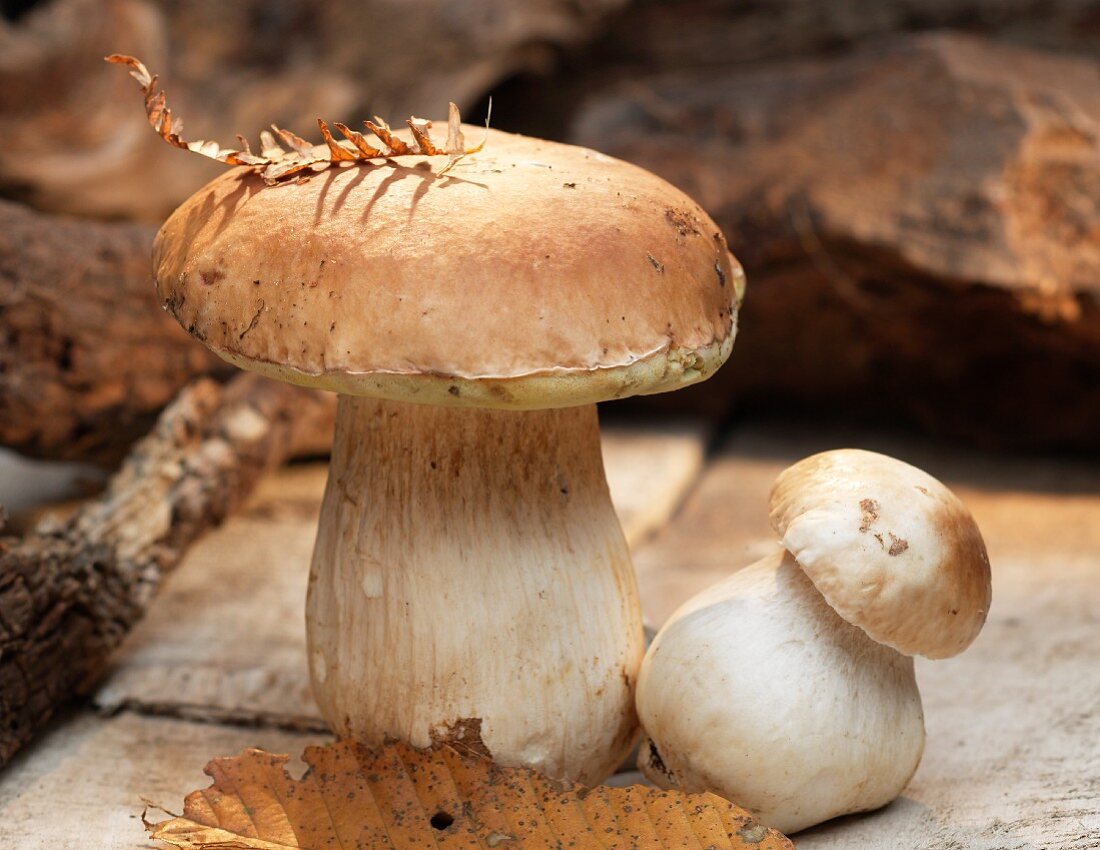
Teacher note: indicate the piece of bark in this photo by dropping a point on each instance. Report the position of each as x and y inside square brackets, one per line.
[87, 356]
[919, 225]
[70, 592]
[75, 134]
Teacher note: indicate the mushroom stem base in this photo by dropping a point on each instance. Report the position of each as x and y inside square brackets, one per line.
[469, 565]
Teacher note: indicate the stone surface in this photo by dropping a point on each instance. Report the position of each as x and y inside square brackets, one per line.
[84, 785]
[918, 220]
[650, 467]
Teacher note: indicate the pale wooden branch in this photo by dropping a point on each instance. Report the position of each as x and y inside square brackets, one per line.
[69, 592]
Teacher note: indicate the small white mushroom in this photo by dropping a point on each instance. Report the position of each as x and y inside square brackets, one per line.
[788, 687]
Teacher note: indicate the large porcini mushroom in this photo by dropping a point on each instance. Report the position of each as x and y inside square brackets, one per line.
[469, 565]
[789, 686]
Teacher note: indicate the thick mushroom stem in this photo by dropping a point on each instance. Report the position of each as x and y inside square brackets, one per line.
[469, 566]
[757, 690]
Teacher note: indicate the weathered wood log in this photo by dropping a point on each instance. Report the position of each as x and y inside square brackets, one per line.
[69, 592]
[87, 356]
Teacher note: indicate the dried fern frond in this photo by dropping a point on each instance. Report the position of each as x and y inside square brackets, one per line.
[299, 157]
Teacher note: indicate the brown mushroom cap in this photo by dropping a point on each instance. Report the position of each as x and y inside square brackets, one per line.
[532, 275]
[888, 546]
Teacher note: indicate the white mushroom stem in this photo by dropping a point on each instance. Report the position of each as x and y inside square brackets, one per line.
[758, 691]
[469, 565]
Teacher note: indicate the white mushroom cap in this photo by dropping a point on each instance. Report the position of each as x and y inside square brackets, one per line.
[756, 690]
[890, 547]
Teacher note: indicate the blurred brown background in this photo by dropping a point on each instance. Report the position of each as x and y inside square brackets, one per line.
[912, 185]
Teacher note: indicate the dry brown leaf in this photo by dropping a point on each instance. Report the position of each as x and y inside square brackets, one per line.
[359, 140]
[420, 128]
[456, 140]
[269, 148]
[337, 152]
[382, 130]
[275, 163]
[398, 797]
[296, 143]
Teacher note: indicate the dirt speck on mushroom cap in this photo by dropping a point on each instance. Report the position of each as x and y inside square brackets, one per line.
[892, 549]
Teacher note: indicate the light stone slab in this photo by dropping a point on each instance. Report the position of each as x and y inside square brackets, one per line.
[81, 786]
